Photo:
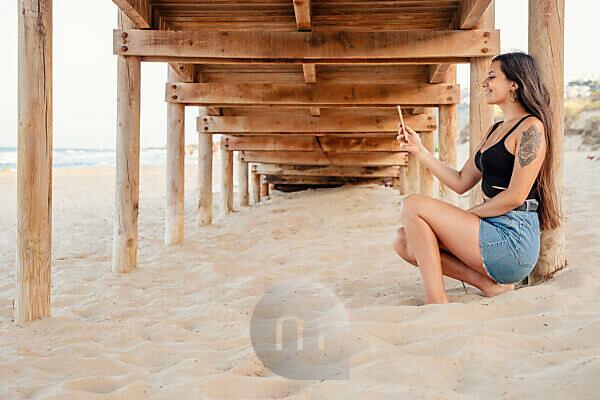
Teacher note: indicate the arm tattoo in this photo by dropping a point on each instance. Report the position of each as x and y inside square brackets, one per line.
[529, 146]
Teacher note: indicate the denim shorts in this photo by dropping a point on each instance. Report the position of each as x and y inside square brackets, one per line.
[510, 245]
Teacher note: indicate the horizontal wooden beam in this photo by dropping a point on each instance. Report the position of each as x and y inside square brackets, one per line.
[317, 94]
[319, 170]
[281, 124]
[308, 47]
[324, 180]
[472, 11]
[308, 143]
[138, 11]
[185, 72]
[321, 158]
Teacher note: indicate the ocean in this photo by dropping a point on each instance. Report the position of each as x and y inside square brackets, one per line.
[88, 157]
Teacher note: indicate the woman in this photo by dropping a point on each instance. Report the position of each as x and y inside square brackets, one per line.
[495, 244]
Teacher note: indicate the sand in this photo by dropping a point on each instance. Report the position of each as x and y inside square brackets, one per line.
[178, 326]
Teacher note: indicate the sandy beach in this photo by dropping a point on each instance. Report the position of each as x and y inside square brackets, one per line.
[178, 326]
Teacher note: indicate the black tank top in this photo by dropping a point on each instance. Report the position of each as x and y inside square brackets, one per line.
[496, 165]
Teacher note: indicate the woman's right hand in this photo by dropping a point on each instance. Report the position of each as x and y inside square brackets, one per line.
[409, 140]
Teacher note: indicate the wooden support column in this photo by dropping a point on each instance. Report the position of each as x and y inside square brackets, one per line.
[413, 175]
[425, 176]
[546, 46]
[255, 185]
[403, 180]
[226, 177]
[264, 187]
[174, 210]
[128, 160]
[447, 140]
[34, 161]
[481, 114]
[242, 167]
[205, 163]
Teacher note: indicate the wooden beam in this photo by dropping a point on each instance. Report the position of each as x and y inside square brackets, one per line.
[34, 162]
[138, 11]
[255, 185]
[307, 47]
[303, 15]
[226, 179]
[310, 73]
[307, 143]
[318, 94]
[326, 124]
[438, 73]
[472, 11]
[320, 158]
[127, 190]
[546, 44]
[319, 170]
[242, 167]
[183, 72]
[322, 180]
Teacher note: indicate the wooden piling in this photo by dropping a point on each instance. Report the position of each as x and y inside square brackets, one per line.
[226, 178]
[242, 167]
[205, 165]
[125, 234]
[174, 209]
[447, 139]
[546, 46]
[255, 185]
[34, 161]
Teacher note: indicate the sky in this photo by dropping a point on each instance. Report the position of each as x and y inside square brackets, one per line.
[84, 70]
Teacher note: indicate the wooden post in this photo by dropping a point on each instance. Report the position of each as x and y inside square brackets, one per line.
[546, 46]
[481, 114]
[403, 179]
[264, 187]
[413, 175]
[205, 162]
[226, 178]
[128, 160]
[425, 176]
[174, 210]
[34, 161]
[255, 185]
[242, 180]
[447, 139]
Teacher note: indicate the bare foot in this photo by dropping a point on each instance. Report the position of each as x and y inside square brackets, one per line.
[498, 288]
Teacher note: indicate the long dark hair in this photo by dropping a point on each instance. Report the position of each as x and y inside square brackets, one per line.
[533, 95]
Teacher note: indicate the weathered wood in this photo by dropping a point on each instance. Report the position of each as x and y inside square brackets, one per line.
[226, 179]
[412, 164]
[303, 15]
[323, 180]
[255, 185]
[425, 176]
[264, 188]
[327, 124]
[317, 94]
[319, 158]
[481, 114]
[242, 175]
[307, 143]
[182, 72]
[205, 183]
[447, 139]
[319, 170]
[125, 236]
[438, 73]
[175, 181]
[403, 180]
[34, 161]
[315, 111]
[307, 47]
[546, 46]
[472, 11]
[310, 73]
[137, 11]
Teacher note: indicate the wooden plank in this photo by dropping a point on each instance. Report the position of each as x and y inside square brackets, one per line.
[326, 123]
[242, 175]
[34, 163]
[138, 11]
[322, 180]
[205, 172]
[472, 11]
[226, 179]
[303, 15]
[318, 94]
[438, 73]
[319, 170]
[307, 47]
[320, 158]
[307, 143]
